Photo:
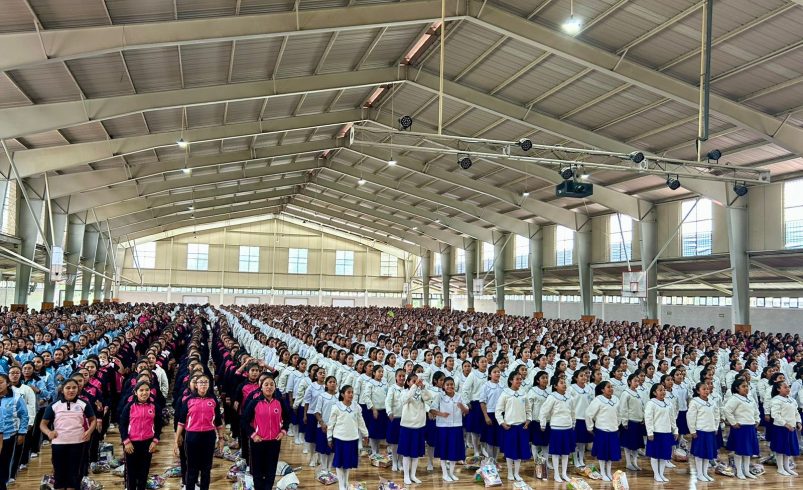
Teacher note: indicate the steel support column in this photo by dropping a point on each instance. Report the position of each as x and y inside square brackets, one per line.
[28, 231]
[59, 224]
[740, 262]
[649, 236]
[3, 190]
[88, 250]
[110, 272]
[471, 271]
[537, 269]
[582, 244]
[426, 260]
[500, 245]
[446, 273]
[72, 254]
[99, 266]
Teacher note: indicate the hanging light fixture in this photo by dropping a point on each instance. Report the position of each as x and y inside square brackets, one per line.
[572, 25]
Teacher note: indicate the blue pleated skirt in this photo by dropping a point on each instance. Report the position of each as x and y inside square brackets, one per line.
[475, 421]
[607, 446]
[785, 441]
[683, 424]
[581, 434]
[393, 430]
[490, 433]
[346, 454]
[411, 442]
[744, 441]
[538, 437]
[633, 435]
[515, 442]
[321, 444]
[378, 427]
[561, 441]
[450, 445]
[660, 447]
[311, 430]
[431, 433]
[704, 445]
[299, 418]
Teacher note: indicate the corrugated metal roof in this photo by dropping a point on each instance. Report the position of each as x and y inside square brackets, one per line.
[46, 83]
[63, 14]
[205, 64]
[16, 17]
[154, 69]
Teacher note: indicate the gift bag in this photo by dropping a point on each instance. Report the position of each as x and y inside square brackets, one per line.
[172, 472]
[358, 486]
[326, 477]
[388, 485]
[490, 475]
[680, 455]
[620, 481]
[288, 482]
[282, 468]
[244, 482]
[473, 463]
[380, 460]
[577, 484]
[105, 452]
[541, 471]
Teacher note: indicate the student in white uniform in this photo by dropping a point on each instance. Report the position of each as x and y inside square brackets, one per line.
[449, 410]
[662, 431]
[475, 421]
[703, 419]
[741, 413]
[602, 420]
[631, 415]
[415, 400]
[393, 407]
[581, 396]
[488, 397]
[322, 410]
[786, 425]
[513, 415]
[346, 427]
[375, 393]
[557, 412]
[537, 395]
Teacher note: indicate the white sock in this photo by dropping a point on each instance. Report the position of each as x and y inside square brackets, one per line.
[787, 464]
[517, 469]
[413, 468]
[746, 467]
[341, 478]
[556, 465]
[374, 446]
[655, 471]
[580, 451]
[394, 457]
[452, 464]
[602, 470]
[661, 468]
[430, 458]
[737, 462]
[446, 476]
[406, 467]
[346, 476]
[628, 463]
[608, 465]
[509, 462]
[564, 467]
[475, 443]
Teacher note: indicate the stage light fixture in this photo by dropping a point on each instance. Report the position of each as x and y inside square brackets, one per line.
[405, 123]
[567, 173]
[673, 182]
[714, 155]
[740, 189]
[182, 143]
[361, 182]
[464, 161]
[572, 26]
[525, 194]
[392, 162]
[525, 144]
[636, 157]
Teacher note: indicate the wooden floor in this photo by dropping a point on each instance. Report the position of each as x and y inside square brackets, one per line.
[679, 477]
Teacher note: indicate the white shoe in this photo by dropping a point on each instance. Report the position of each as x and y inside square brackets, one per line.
[447, 479]
[557, 478]
[407, 482]
[430, 467]
[23, 466]
[783, 472]
[415, 479]
[605, 478]
[750, 475]
[669, 464]
[10, 481]
[454, 478]
[34, 455]
[792, 472]
[305, 451]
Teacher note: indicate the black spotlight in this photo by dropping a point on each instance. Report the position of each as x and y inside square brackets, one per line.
[567, 173]
[636, 157]
[673, 182]
[405, 122]
[464, 161]
[740, 189]
[525, 144]
[714, 155]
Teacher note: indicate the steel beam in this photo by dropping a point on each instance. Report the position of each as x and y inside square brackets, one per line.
[72, 254]
[59, 224]
[446, 275]
[470, 245]
[500, 243]
[58, 45]
[737, 222]
[426, 263]
[28, 230]
[21, 121]
[222, 217]
[88, 251]
[32, 162]
[779, 132]
[537, 269]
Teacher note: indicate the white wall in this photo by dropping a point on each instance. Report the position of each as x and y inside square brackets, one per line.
[229, 299]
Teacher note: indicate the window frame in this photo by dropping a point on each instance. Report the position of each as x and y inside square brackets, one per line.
[250, 259]
[198, 259]
[297, 264]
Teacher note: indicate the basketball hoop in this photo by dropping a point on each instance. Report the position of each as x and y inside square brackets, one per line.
[70, 278]
[634, 285]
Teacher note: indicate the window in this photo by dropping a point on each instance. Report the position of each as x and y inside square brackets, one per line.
[564, 245]
[438, 265]
[145, 255]
[297, 262]
[522, 252]
[344, 263]
[197, 256]
[388, 265]
[461, 261]
[696, 230]
[793, 214]
[249, 259]
[487, 256]
[621, 237]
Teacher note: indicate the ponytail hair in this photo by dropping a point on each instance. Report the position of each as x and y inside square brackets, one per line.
[601, 387]
[654, 389]
[343, 391]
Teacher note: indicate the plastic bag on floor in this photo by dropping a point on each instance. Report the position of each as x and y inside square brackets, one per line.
[680, 455]
[90, 484]
[99, 467]
[47, 483]
[757, 469]
[244, 482]
[541, 470]
[282, 468]
[473, 463]
[620, 481]
[119, 471]
[577, 484]
[388, 485]
[288, 482]
[154, 482]
[172, 472]
[325, 477]
[380, 460]
[489, 474]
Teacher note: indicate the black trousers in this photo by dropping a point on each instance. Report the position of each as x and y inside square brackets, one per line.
[66, 458]
[19, 453]
[264, 458]
[137, 465]
[6, 458]
[245, 444]
[200, 449]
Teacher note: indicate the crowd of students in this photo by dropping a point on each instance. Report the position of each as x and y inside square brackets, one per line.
[413, 384]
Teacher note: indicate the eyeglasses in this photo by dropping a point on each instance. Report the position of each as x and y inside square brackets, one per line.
[202, 382]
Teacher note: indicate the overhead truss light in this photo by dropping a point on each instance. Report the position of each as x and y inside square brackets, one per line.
[405, 123]
[637, 157]
[464, 161]
[182, 143]
[673, 182]
[714, 155]
[572, 25]
[525, 194]
[392, 162]
[525, 144]
[186, 170]
[361, 181]
[567, 173]
[740, 189]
